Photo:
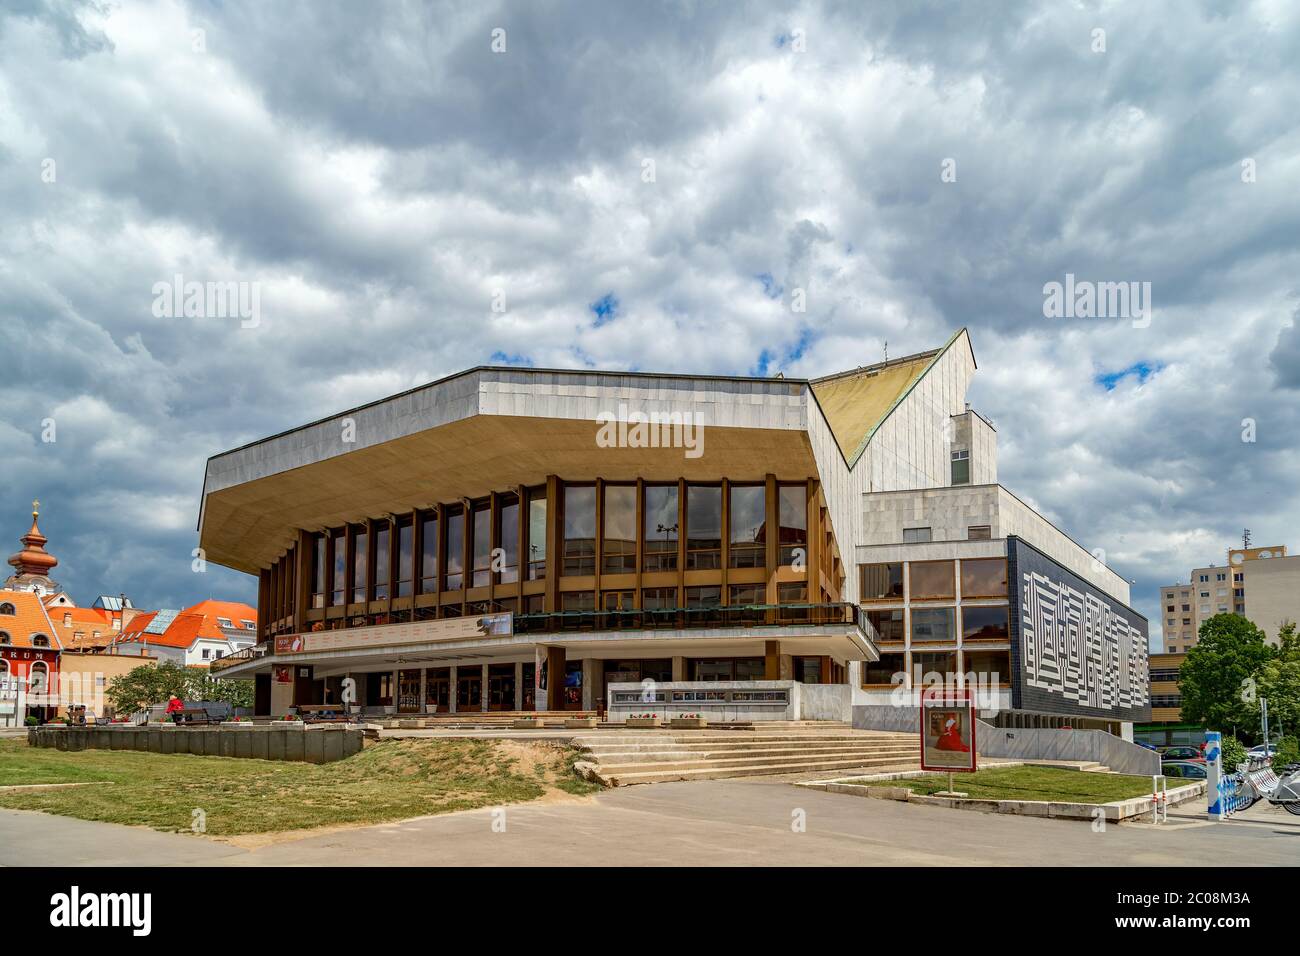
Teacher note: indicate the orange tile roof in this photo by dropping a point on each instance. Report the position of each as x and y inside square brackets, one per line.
[232, 610]
[192, 624]
[85, 621]
[28, 620]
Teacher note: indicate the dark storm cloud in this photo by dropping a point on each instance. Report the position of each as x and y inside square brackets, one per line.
[380, 173]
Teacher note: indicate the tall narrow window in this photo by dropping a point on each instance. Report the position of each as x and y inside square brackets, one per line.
[508, 539]
[455, 576]
[793, 508]
[961, 467]
[536, 534]
[619, 548]
[429, 553]
[405, 556]
[482, 517]
[339, 560]
[660, 528]
[318, 570]
[360, 564]
[383, 537]
[748, 526]
[703, 527]
[579, 529]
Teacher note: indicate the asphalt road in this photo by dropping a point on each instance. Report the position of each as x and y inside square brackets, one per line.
[724, 822]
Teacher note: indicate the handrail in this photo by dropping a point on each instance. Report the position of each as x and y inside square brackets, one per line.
[239, 657]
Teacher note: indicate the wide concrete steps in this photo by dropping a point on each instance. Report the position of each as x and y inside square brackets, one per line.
[629, 754]
[621, 777]
[651, 757]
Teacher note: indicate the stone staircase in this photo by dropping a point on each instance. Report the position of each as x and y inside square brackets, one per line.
[651, 756]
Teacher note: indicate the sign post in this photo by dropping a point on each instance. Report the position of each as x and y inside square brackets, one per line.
[948, 733]
[1215, 785]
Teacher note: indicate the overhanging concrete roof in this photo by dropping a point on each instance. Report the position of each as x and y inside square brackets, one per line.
[484, 430]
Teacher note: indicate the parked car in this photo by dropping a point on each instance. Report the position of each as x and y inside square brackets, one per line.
[1256, 753]
[1184, 768]
[1182, 753]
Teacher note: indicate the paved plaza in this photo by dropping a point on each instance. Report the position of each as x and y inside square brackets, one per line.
[724, 822]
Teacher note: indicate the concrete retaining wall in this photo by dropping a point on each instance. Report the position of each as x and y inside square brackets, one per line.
[825, 702]
[1030, 743]
[887, 717]
[314, 745]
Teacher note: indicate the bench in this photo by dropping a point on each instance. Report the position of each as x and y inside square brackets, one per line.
[324, 713]
[195, 715]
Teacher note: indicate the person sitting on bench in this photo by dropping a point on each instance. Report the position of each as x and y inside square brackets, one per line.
[174, 707]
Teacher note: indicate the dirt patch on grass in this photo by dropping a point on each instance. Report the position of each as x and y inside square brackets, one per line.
[254, 801]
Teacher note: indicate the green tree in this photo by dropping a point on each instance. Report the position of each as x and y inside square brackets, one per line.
[1218, 681]
[147, 685]
[1278, 681]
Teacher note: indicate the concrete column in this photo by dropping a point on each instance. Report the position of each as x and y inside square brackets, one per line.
[539, 695]
[679, 668]
[785, 663]
[589, 688]
[555, 661]
[424, 689]
[483, 689]
[519, 685]
[397, 695]
[451, 698]
[771, 660]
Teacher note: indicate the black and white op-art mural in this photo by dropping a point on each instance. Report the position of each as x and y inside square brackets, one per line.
[1079, 650]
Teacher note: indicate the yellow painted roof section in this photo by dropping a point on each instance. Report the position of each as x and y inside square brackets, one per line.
[854, 403]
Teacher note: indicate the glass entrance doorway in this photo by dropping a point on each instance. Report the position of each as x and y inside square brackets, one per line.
[437, 690]
[501, 687]
[469, 688]
[408, 692]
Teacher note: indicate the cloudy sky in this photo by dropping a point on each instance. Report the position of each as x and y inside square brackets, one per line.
[648, 186]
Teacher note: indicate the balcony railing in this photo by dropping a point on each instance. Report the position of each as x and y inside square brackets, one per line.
[239, 657]
[662, 619]
[681, 618]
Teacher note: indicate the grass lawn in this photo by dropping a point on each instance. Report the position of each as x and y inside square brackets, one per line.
[389, 780]
[1030, 783]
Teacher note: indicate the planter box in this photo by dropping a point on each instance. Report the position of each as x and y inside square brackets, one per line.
[573, 723]
[688, 723]
[288, 724]
[644, 722]
[528, 723]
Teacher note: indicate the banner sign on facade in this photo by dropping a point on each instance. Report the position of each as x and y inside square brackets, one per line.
[396, 635]
[948, 730]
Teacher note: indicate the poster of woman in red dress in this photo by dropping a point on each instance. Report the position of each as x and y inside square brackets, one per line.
[946, 731]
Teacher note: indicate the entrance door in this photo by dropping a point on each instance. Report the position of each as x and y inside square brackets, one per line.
[530, 686]
[437, 693]
[469, 689]
[501, 687]
[408, 692]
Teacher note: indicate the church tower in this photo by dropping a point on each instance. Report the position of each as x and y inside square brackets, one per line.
[32, 565]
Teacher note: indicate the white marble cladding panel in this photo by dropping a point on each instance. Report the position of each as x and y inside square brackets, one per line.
[934, 551]
[737, 403]
[912, 447]
[983, 451]
[947, 512]
[843, 489]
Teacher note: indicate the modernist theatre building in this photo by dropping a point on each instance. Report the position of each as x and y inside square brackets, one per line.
[768, 547]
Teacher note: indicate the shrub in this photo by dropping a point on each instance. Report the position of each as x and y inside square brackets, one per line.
[1288, 752]
[1234, 752]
